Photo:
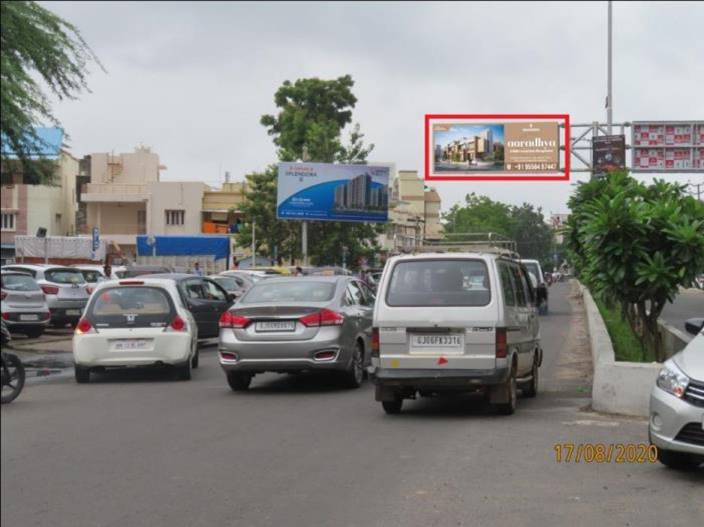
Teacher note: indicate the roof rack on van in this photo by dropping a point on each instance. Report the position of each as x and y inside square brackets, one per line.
[486, 242]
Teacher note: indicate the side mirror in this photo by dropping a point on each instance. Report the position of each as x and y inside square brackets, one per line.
[694, 325]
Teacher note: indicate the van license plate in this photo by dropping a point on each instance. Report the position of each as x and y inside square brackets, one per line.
[131, 345]
[438, 343]
[275, 325]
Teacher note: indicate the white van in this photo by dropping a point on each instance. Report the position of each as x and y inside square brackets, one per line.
[455, 322]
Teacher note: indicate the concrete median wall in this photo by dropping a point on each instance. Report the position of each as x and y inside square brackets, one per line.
[618, 387]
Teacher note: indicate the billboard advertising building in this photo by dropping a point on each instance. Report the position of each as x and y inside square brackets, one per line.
[332, 192]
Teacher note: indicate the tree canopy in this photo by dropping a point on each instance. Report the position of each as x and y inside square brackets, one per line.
[34, 42]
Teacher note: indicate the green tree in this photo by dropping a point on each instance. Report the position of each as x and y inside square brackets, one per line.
[35, 43]
[634, 245]
[534, 237]
[308, 126]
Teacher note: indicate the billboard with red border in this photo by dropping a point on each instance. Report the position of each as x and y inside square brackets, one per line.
[497, 147]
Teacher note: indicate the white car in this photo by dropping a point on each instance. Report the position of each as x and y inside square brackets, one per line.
[676, 425]
[96, 273]
[135, 323]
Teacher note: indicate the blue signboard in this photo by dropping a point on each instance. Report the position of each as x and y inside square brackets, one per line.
[330, 192]
[96, 238]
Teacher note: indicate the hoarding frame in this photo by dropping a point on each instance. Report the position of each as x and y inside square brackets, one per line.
[561, 176]
[689, 146]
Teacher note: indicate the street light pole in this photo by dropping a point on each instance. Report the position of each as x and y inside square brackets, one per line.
[609, 93]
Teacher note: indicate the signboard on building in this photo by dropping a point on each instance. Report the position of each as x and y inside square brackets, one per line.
[608, 153]
[496, 147]
[667, 146]
[331, 192]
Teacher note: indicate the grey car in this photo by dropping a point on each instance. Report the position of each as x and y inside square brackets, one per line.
[65, 289]
[24, 308]
[676, 424]
[297, 324]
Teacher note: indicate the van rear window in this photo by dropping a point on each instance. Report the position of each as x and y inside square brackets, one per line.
[442, 282]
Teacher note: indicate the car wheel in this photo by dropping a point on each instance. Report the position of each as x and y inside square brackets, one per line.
[183, 372]
[676, 460]
[238, 381]
[82, 374]
[510, 392]
[393, 407]
[195, 360]
[354, 376]
[34, 333]
[531, 388]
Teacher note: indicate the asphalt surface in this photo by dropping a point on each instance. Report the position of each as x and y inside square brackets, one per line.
[688, 304]
[142, 449]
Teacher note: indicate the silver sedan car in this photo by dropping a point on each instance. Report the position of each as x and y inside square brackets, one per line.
[677, 405]
[298, 324]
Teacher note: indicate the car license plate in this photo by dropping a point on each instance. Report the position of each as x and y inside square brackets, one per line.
[447, 343]
[131, 345]
[29, 317]
[73, 312]
[275, 325]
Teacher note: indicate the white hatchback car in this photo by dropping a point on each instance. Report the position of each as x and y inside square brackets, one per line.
[135, 323]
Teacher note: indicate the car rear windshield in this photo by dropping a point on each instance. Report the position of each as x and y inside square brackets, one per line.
[127, 305]
[19, 282]
[298, 291]
[91, 276]
[65, 276]
[421, 283]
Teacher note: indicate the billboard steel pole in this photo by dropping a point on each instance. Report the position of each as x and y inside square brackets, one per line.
[609, 93]
[304, 242]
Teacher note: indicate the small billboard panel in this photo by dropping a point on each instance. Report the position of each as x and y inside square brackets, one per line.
[495, 147]
[667, 146]
[332, 192]
[608, 153]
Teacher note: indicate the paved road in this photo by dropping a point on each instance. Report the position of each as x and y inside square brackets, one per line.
[141, 449]
[689, 303]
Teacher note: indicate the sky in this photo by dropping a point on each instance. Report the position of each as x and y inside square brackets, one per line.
[191, 80]
[467, 131]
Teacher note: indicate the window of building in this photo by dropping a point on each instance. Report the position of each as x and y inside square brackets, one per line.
[175, 217]
[8, 221]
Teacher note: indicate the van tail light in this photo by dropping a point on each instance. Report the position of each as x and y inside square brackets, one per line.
[375, 342]
[324, 317]
[501, 343]
[178, 324]
[84, 326]
[50, 290]
[232, 320]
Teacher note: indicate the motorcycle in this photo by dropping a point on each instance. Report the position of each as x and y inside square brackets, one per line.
[12, 371]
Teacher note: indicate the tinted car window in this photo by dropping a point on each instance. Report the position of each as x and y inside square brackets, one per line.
[439, 283]
[64, 276]
[521, 297]
[532, 268]
[130, 306]
[299, 291]
[229, 283]
[507, 285]
[355, 294]
[194, 289]
[18, 282]
[22, 270]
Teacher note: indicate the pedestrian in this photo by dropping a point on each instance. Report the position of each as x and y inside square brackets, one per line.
[235, 264]
[108, 271]
[299, 271]
[197, 270]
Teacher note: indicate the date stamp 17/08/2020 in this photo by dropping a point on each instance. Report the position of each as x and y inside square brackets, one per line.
[605, 453]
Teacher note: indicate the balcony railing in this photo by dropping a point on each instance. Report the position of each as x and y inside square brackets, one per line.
[112, 188]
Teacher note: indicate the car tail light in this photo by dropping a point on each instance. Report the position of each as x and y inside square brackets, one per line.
[6, 316]
[3, 295]
[84, 326]
[501, 344]
[46, 316]
[232, 320]
[50, 290]
[131, 282]
[375, 342]
[324, 317]
[178, 324]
